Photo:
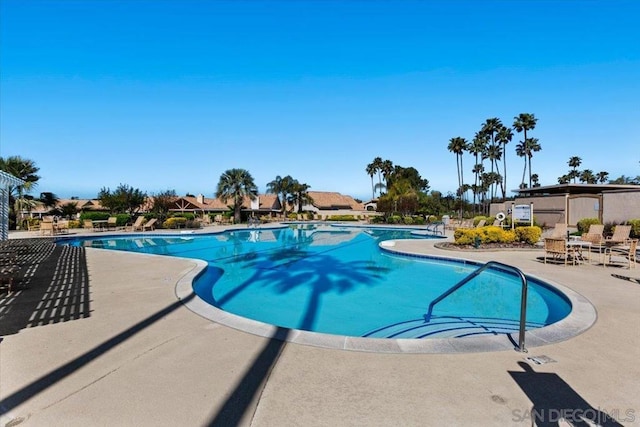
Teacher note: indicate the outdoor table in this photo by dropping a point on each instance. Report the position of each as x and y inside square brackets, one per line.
[576, 247]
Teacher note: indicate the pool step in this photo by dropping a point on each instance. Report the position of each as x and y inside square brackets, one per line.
[448, 327]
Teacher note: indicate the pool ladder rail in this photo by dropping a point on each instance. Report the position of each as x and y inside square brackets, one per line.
[475, 273]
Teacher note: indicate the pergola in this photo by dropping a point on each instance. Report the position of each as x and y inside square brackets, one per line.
[6, 180]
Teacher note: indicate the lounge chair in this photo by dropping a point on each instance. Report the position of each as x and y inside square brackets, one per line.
[137, 225]
[150, 225]
[88, 225]
[481, 223]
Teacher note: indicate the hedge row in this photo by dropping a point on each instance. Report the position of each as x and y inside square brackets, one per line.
[494, 234]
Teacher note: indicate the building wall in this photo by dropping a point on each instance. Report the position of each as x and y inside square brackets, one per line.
[584, 206]
[547, 210]
[619, 207]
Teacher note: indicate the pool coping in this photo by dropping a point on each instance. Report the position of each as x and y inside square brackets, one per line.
[582, 316]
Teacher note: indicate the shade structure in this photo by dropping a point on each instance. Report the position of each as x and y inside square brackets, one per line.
[6, 180]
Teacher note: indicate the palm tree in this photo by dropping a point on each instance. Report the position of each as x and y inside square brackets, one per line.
[490, 128]
[535, 179]
[25, 170]
[377, 164]
[602, 177]
[533, 146]
[236, 184]
[458, 145]
[504, 137]
[521, 151]
[281, 187]
[371, 171]
[522, 123]
[478, 147]
[587, 176]
[574, 162]
[564, 179]
[299, 195]
[387, 169]
[49, 200]
[494, 153]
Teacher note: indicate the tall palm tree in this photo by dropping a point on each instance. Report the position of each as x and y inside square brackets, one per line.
[490, 128]
[236, 184]
[494, 153]
[458, 146]
[377, 163]
[602, 177]
[574, 162]
[533, 146]
[371, 171]
[521, 151]
[387, 169]
[504, 137]
[522, 123]
[478, 147]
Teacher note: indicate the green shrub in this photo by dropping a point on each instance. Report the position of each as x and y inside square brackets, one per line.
[418, 220]
[175, 222]
[188, 215]
[407, 220]
[530, 235]
[585, 223]
[377, 219]
[635, 228]
[342, 218]
[94, 216]
[74, 223]
[292, 216]
[122, 219]
[394, 219]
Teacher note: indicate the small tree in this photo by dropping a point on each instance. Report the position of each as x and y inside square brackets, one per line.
[124, 199]
[69, 210]
[163, 202]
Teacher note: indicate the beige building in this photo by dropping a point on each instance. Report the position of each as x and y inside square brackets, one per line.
[569, 203]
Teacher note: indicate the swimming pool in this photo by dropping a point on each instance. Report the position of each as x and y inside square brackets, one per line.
[336, 280]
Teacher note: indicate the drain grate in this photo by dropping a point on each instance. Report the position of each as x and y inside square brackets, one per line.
[539, 360]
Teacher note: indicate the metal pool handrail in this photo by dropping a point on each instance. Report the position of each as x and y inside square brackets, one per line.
[523, 299]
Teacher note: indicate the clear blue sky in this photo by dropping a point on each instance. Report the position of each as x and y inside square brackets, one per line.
[169, 94]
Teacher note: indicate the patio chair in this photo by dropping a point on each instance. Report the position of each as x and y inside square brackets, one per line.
[559, 231]
[112, 222]
[626, 251]
[47, 227]
[62, 226]
[595, 235]
[558, 250]
[137, 225]
[620, 235]
[150, 225]
[481, 223]
[87, 224]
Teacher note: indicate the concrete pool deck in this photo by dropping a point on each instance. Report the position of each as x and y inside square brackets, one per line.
[137, 356]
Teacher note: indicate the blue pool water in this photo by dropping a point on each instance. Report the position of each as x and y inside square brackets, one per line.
[337, 280]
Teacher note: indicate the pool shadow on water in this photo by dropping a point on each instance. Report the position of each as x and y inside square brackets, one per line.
[321, 273]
